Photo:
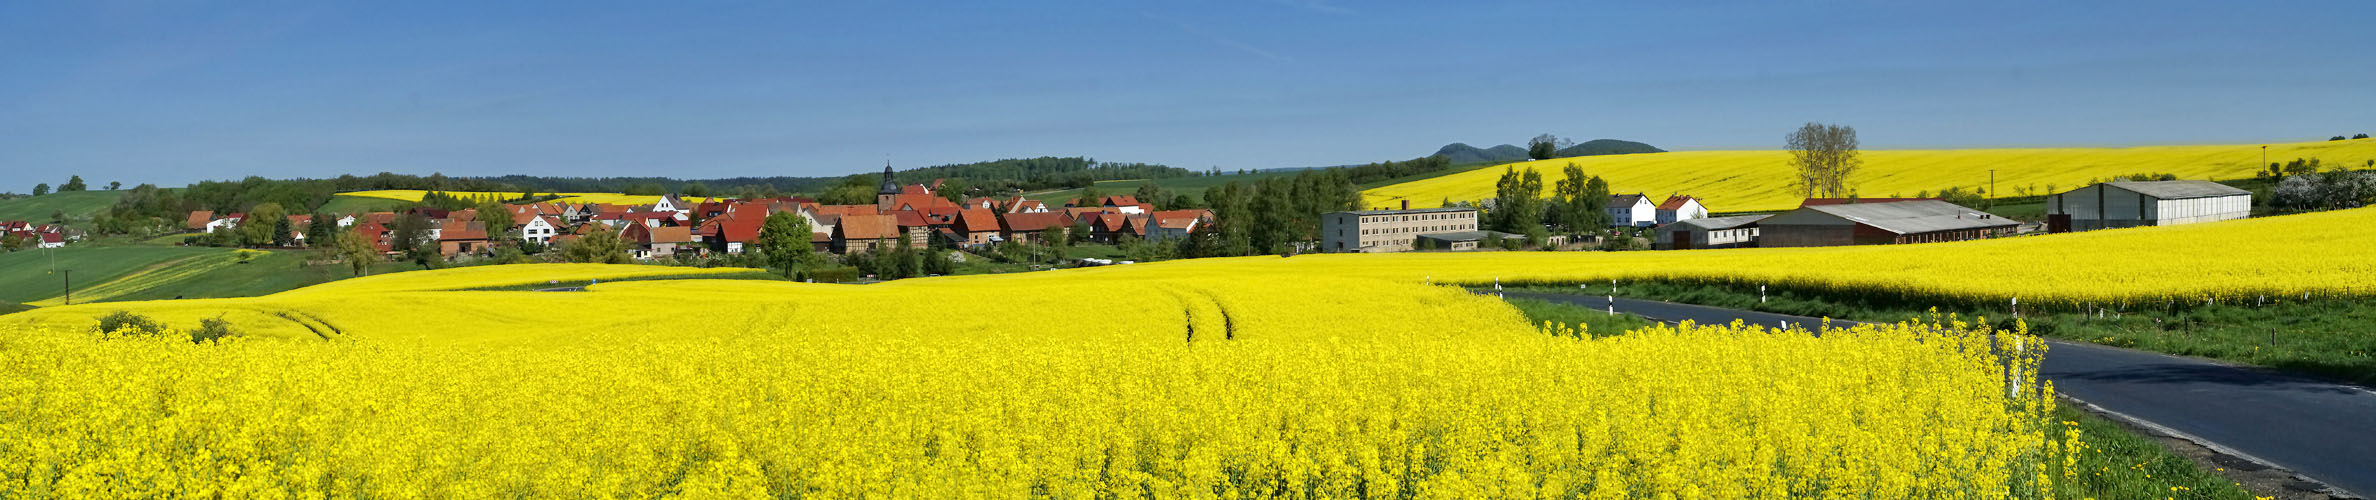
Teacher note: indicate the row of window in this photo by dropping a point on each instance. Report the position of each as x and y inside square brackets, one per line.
[1367, 219]
[1419, 229]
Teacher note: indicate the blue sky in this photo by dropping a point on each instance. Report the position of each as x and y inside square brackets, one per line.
[172, 92]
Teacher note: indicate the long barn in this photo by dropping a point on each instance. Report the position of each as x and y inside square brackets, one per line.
[2145, 203]
[1884, 223]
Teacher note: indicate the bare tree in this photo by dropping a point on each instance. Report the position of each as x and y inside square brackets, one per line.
[1543, 147]
[1825, 156]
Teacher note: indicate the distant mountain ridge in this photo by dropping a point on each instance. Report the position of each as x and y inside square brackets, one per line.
[1463, 153]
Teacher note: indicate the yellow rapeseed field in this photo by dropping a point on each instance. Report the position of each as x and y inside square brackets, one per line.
[1323, 376]
[1731, 181]
[606, 198]
[1169, 381]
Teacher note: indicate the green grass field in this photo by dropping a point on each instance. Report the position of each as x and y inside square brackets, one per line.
[347, 204]
[78, 205]
[25, 276]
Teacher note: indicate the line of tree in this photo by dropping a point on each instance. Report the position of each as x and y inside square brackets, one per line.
[2306, 184]
[1275, 215]
[1577, 205]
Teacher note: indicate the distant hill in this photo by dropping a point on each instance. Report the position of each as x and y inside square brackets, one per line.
[1461, 153]
[1604, 147]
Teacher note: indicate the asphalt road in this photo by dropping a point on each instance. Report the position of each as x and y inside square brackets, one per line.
[2322, 430]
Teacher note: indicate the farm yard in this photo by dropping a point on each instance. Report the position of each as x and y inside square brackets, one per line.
[1746, 181]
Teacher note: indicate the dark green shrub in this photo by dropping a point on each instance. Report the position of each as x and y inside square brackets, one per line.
[126, 323]
[211, 329]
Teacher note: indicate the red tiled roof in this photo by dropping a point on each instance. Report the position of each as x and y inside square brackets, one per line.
[1673, 202]
[733, 228]
[847, 209]
[868, 226]
[460, 231]
[911, 201]
[1180, 223]
[664, 235]
[1036, 221]
[198, 219]
[978, 221]
[1194, 213]
[910, 218]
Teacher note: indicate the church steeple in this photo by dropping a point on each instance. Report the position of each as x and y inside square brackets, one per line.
[889, 193]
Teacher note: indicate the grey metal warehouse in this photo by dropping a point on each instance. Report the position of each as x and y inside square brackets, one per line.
[2145, 203]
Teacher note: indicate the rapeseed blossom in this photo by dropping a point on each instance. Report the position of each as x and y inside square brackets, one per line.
[1145, 381]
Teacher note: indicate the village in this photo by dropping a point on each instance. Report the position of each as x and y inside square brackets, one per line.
[917, 216]
[911, 216]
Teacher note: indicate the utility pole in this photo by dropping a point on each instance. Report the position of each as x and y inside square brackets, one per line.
[69, 287]
[2264, 156]
[1992, 194]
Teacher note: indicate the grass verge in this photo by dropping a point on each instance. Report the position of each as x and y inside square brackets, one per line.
[2113, 462]
[1595, 322]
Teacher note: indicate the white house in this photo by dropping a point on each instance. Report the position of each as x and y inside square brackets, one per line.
[2145, 203]
[671, 203]
[345, 221]
[222, 223]
[1632, 210]
[53, 240]
[1680, 208]
[540, 229]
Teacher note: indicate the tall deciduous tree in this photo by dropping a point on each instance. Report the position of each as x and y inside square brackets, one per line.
[498, 219]
[73, 184]
[262, 221]
[410, 238]
[1148, 192]
[40, 189]
[1578, 208]
[1824, 156]
[358, 250]
[1517, 205]
[1545, 146]
[599, 247]
[784, 242]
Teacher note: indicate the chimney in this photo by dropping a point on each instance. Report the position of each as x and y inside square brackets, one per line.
[1406, 204]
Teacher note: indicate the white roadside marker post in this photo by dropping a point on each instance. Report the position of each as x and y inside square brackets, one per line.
[1761, 294]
